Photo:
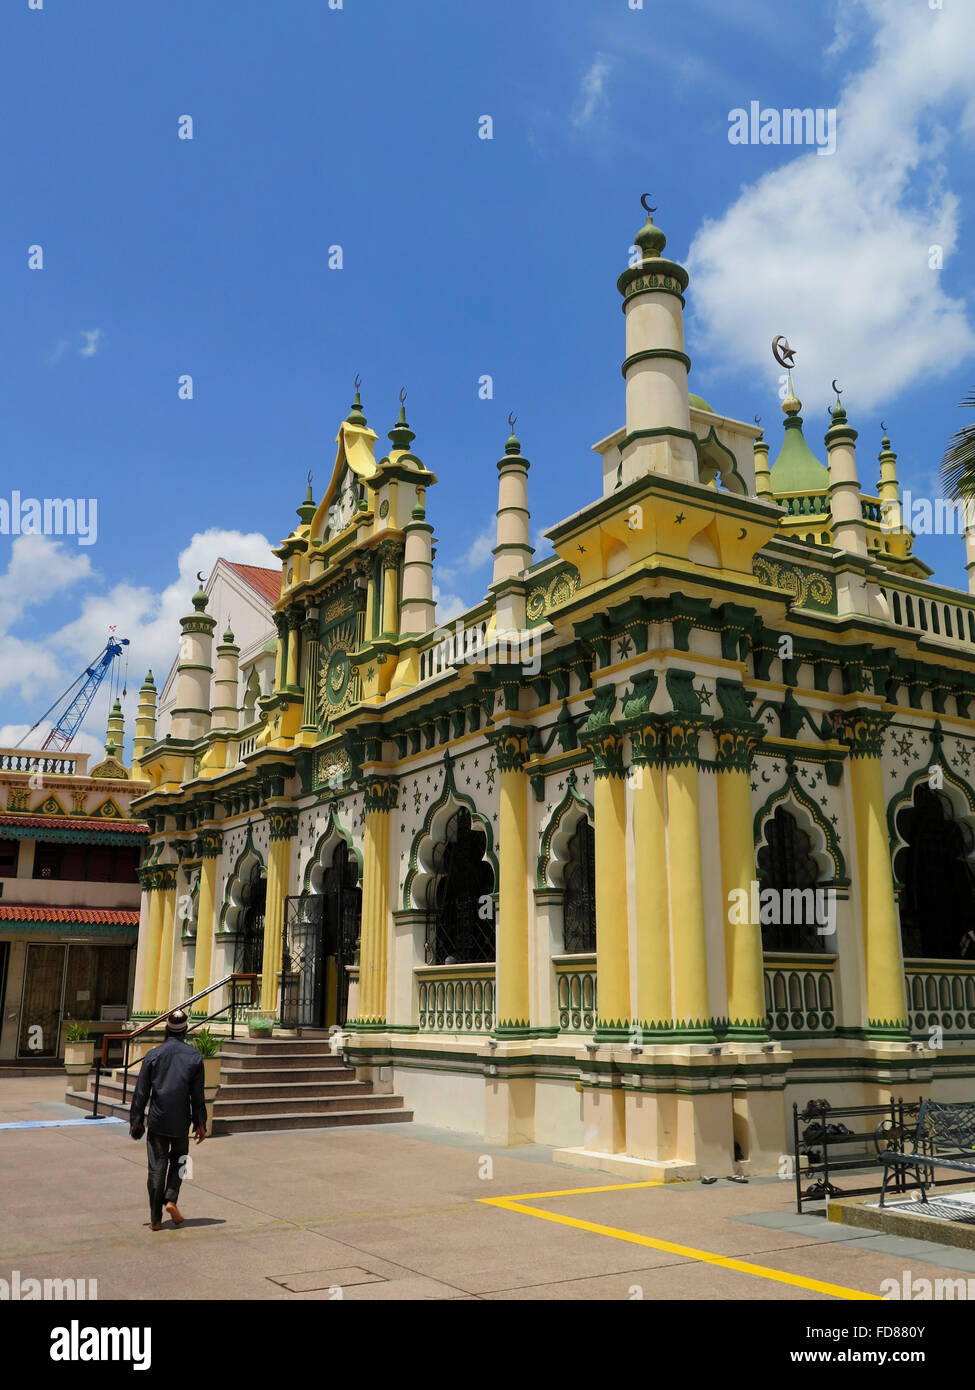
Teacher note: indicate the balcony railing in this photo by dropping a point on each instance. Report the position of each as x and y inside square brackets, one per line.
[941, 995]
[55, 764]
[455, 998]
[951, 621]
[575, 984]
[800, 995]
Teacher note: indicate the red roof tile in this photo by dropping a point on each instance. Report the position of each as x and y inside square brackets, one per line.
[266, 582]
[131, 827]
[80, 916]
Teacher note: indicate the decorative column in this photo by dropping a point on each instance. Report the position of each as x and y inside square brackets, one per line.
[513, 551]
[283, 825]
[658, 438]
[191, 714]
[391, 553]
[654, 1009]
[380, 798]
[763, 477]
[225, 683]
[744, 962]
[281, 623]
[150, 963]
[605, 742]
[167, 876]
[845, 502]
[684, 871]
[145, 724]
[417, 605]
[294, 617]
[512, 937]
[208, 846]
[886, 1007]
[310, 648]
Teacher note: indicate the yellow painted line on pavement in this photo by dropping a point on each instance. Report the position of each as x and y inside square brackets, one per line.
[573, 1191]
[688, 1252]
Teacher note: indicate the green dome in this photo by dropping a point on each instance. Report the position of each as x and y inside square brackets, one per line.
[699, 403]
[797, 469]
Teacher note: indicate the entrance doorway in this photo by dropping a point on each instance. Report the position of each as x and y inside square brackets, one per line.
[320, 935]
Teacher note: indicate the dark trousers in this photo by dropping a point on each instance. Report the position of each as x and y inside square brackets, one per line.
[165, 1169]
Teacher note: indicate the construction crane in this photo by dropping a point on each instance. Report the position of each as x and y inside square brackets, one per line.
[79, 696]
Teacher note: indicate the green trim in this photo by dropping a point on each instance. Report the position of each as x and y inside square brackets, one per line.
[650, 353]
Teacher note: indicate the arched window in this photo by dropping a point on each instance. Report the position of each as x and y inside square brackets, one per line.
[579, 896]
[459, 902]
[787, 866]
[249, 950]
[938, 897]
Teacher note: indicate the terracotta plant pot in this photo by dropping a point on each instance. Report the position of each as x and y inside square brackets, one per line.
[78, 1057]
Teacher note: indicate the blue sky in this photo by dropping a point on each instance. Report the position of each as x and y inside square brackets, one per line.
[462, 256]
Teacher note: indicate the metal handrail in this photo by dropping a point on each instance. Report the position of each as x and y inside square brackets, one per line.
[127, 1038]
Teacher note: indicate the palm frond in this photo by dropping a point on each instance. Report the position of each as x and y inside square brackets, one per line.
[958, 464]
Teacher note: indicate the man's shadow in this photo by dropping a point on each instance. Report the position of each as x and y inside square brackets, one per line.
[191, 1221]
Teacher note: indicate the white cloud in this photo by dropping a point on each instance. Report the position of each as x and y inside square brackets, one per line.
[449, 606]
[91, 339]
[38, 668]
[834, 251]
[592, 92]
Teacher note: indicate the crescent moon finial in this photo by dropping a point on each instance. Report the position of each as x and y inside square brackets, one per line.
[758, 419]
[883, 427]
[646, 206]
[309, 477]
[358, 381]
[836, 389]
[512, 419]
[402, 395]
[199, 575]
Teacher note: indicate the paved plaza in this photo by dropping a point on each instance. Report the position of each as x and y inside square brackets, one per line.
[408, 1212]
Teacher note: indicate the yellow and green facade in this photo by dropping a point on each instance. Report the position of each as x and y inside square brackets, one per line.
[534, 866]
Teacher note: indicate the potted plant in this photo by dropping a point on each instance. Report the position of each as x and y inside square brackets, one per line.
[208, 1047]
[260, 1025]
[79, 1050]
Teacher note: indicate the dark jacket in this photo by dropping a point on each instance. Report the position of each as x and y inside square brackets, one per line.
[173, 1074]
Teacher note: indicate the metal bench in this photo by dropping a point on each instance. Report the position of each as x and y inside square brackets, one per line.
[944, 1137]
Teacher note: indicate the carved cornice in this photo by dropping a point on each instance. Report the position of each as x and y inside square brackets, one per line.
[282, 824]
[606, 746]
[381, 793]
[511, 747]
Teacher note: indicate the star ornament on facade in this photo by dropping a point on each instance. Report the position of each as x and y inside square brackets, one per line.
[679, 519]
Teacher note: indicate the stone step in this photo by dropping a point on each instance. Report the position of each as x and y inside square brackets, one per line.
[244, 1076]
[298, 1089]
[282, 1061]
[269, 1046]
[321, 1120]
[245, 1109]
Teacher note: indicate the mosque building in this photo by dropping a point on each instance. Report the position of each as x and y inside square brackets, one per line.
[670, 831]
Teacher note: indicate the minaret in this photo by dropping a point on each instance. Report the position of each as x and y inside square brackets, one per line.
[968, 505]
[115, 737]
[658, 435]
[417, 606]
[513, 552]
[849, 529]
[888, 490]
[191, 713]
[763, 481]
[225, 683]
[145, 723]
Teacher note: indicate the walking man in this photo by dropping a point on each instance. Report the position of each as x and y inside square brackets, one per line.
[171, 1085]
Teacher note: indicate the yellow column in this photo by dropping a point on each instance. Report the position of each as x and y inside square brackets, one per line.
[744, 964]
[209, 845]
[654, 1010]
[886, 1007]
[390, 552]
[512, 942]
[281, 623]
[684, 870]
[380, 798]
[283, 825]
[612, 921]
[294, 621]
[167, 880]
[150, 968]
